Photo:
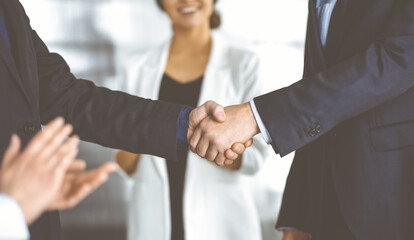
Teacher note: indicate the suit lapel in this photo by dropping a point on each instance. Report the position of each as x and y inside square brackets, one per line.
[337, 29]
[341, 21]
[359, 28]
[22, 70]
[8, 59]
[343, 24]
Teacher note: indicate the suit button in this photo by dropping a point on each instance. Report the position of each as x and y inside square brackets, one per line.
[28, 129]
[313, 132]
[318, 128]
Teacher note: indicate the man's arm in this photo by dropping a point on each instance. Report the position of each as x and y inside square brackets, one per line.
[300, 113]
[109, 118]
[112, 118]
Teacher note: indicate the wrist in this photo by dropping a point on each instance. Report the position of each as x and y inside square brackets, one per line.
[21, 204]
[26, 210]
[251, 119]
[183, 125]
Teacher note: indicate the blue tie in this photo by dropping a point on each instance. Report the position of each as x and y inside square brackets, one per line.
[3, 29]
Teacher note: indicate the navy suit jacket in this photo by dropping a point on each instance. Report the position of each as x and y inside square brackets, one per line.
[37, 86]
[352, 113]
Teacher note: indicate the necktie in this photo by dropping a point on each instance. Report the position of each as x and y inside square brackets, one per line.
[3, 28]
[324, 12]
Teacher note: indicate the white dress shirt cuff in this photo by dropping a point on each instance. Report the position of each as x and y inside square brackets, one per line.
[12, 222]
[262, 127]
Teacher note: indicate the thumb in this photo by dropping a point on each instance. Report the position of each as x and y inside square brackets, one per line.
[216, 110]
[12, 151]
[208, 108]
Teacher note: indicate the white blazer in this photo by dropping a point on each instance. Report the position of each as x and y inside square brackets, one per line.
[218, 203]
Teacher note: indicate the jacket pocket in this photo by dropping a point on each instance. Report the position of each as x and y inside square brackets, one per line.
[393, 137]
[395, 111]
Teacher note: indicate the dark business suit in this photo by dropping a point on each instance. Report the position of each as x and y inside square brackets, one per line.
[351, 120]
[37, 86]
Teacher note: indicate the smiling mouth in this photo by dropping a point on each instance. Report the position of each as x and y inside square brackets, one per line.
[188, 10]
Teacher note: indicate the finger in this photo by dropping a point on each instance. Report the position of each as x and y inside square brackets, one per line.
[42, 137]
[12, 150]
[238, 148]
[231, 155]
[106, 168]
[65, 155]
[94, 175]
[87, 182]
[216, 110]
[220, 159]
[195, 138]
[55, 143]
[202, 147]
[249, 143]
[75, 197]
[228, 162]
[208, 108]
[76, 166]
[211, 153]
[190, 133]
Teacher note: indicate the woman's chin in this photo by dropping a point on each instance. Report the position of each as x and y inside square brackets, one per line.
[188, 25]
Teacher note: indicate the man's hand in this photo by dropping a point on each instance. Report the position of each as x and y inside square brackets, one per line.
[78, 184]
[220, 141]
[209, 108]
[33, 177]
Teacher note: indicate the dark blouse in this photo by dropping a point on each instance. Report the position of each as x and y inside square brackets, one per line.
[187, 94]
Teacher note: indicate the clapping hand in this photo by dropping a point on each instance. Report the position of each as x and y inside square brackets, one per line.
[46, 175]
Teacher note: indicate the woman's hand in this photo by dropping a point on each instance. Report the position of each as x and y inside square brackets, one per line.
[127, 161]
[296, 235]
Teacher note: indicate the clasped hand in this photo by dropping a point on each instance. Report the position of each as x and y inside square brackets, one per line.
[220, 134]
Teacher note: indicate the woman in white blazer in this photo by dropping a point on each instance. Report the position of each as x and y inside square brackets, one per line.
[217, 203]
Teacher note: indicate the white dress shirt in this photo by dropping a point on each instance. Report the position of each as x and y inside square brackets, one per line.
[12, 222]
[324, 10]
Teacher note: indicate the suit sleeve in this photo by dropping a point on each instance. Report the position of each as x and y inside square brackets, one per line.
[300, 113]
[99, 115]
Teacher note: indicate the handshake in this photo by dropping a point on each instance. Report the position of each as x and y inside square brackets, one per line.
[220, 134]
[46, 175]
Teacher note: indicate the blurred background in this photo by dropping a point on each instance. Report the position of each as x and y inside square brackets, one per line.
[96, 36]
